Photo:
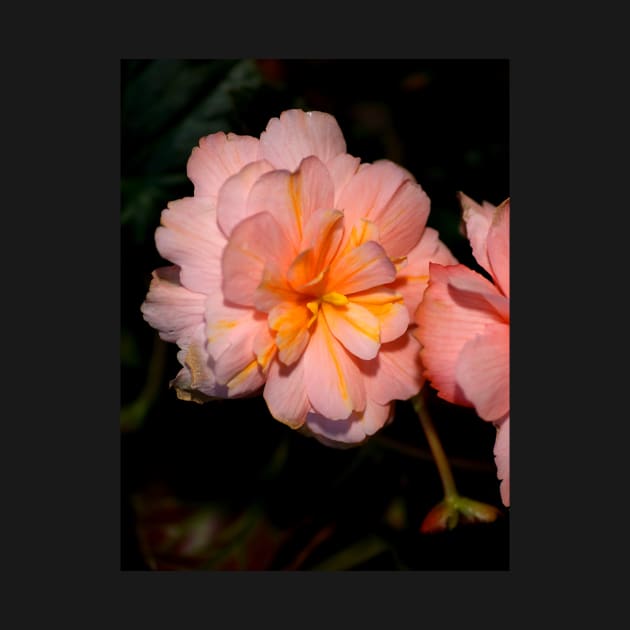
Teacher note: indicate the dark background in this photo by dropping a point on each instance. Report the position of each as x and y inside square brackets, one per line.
[223, 485]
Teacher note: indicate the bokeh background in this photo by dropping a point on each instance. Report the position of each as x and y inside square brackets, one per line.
[223, 486]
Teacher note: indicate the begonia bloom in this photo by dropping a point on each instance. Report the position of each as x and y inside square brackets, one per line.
[463, 325]
[296, 272]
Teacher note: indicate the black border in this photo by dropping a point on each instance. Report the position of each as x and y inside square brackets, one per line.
[66, 499]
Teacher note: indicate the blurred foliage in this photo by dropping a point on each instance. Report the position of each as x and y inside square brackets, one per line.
[223, 486]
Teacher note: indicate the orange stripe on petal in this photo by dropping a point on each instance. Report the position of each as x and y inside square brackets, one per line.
[363, 268]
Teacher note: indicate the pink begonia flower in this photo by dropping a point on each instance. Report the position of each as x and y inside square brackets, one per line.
[464, 327]
[296, 270]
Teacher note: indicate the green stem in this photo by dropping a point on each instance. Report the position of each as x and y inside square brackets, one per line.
[441, 461]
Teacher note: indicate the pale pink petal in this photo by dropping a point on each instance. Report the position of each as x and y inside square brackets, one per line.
[387, 306]
[342, 168]
[254, 243]
[172, 309]
[233, 342]
[499, 247]
[413, 278]
[232, 199]
[502, 459]
[218, 157]
[477, 219]
[483, 371]
[448, 317]
[369, 191]
[293, 197]
[189, 237]
[355, 327]
[396, 374]
[296, 134]
[285, 393]
[226, 323]
[362, 268]
[403, 219]
[333, 380]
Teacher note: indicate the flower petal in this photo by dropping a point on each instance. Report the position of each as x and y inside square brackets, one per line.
[362, 268]
[189, 237]
[293, 197]
[448, 317]
[352, 431]
[254, 243]
[218, 157]
[285, 393]
[499, 247]
[290, 320]
[296, 134]
[413, 279]
[502, 459]
[387, 306]
[403, 219]
[355, 327]
[483, 372]
[396, 374]
[196, 381]
[172, 309]
[477, 219]
[334, 383]
[233, 195]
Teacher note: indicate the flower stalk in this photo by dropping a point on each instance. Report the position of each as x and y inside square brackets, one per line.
[453, 508]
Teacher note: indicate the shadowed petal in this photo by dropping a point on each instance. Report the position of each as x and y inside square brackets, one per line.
[477, 219]
[290, 320]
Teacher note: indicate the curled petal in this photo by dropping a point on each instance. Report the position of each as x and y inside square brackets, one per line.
[296, 134]
[218, 157]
